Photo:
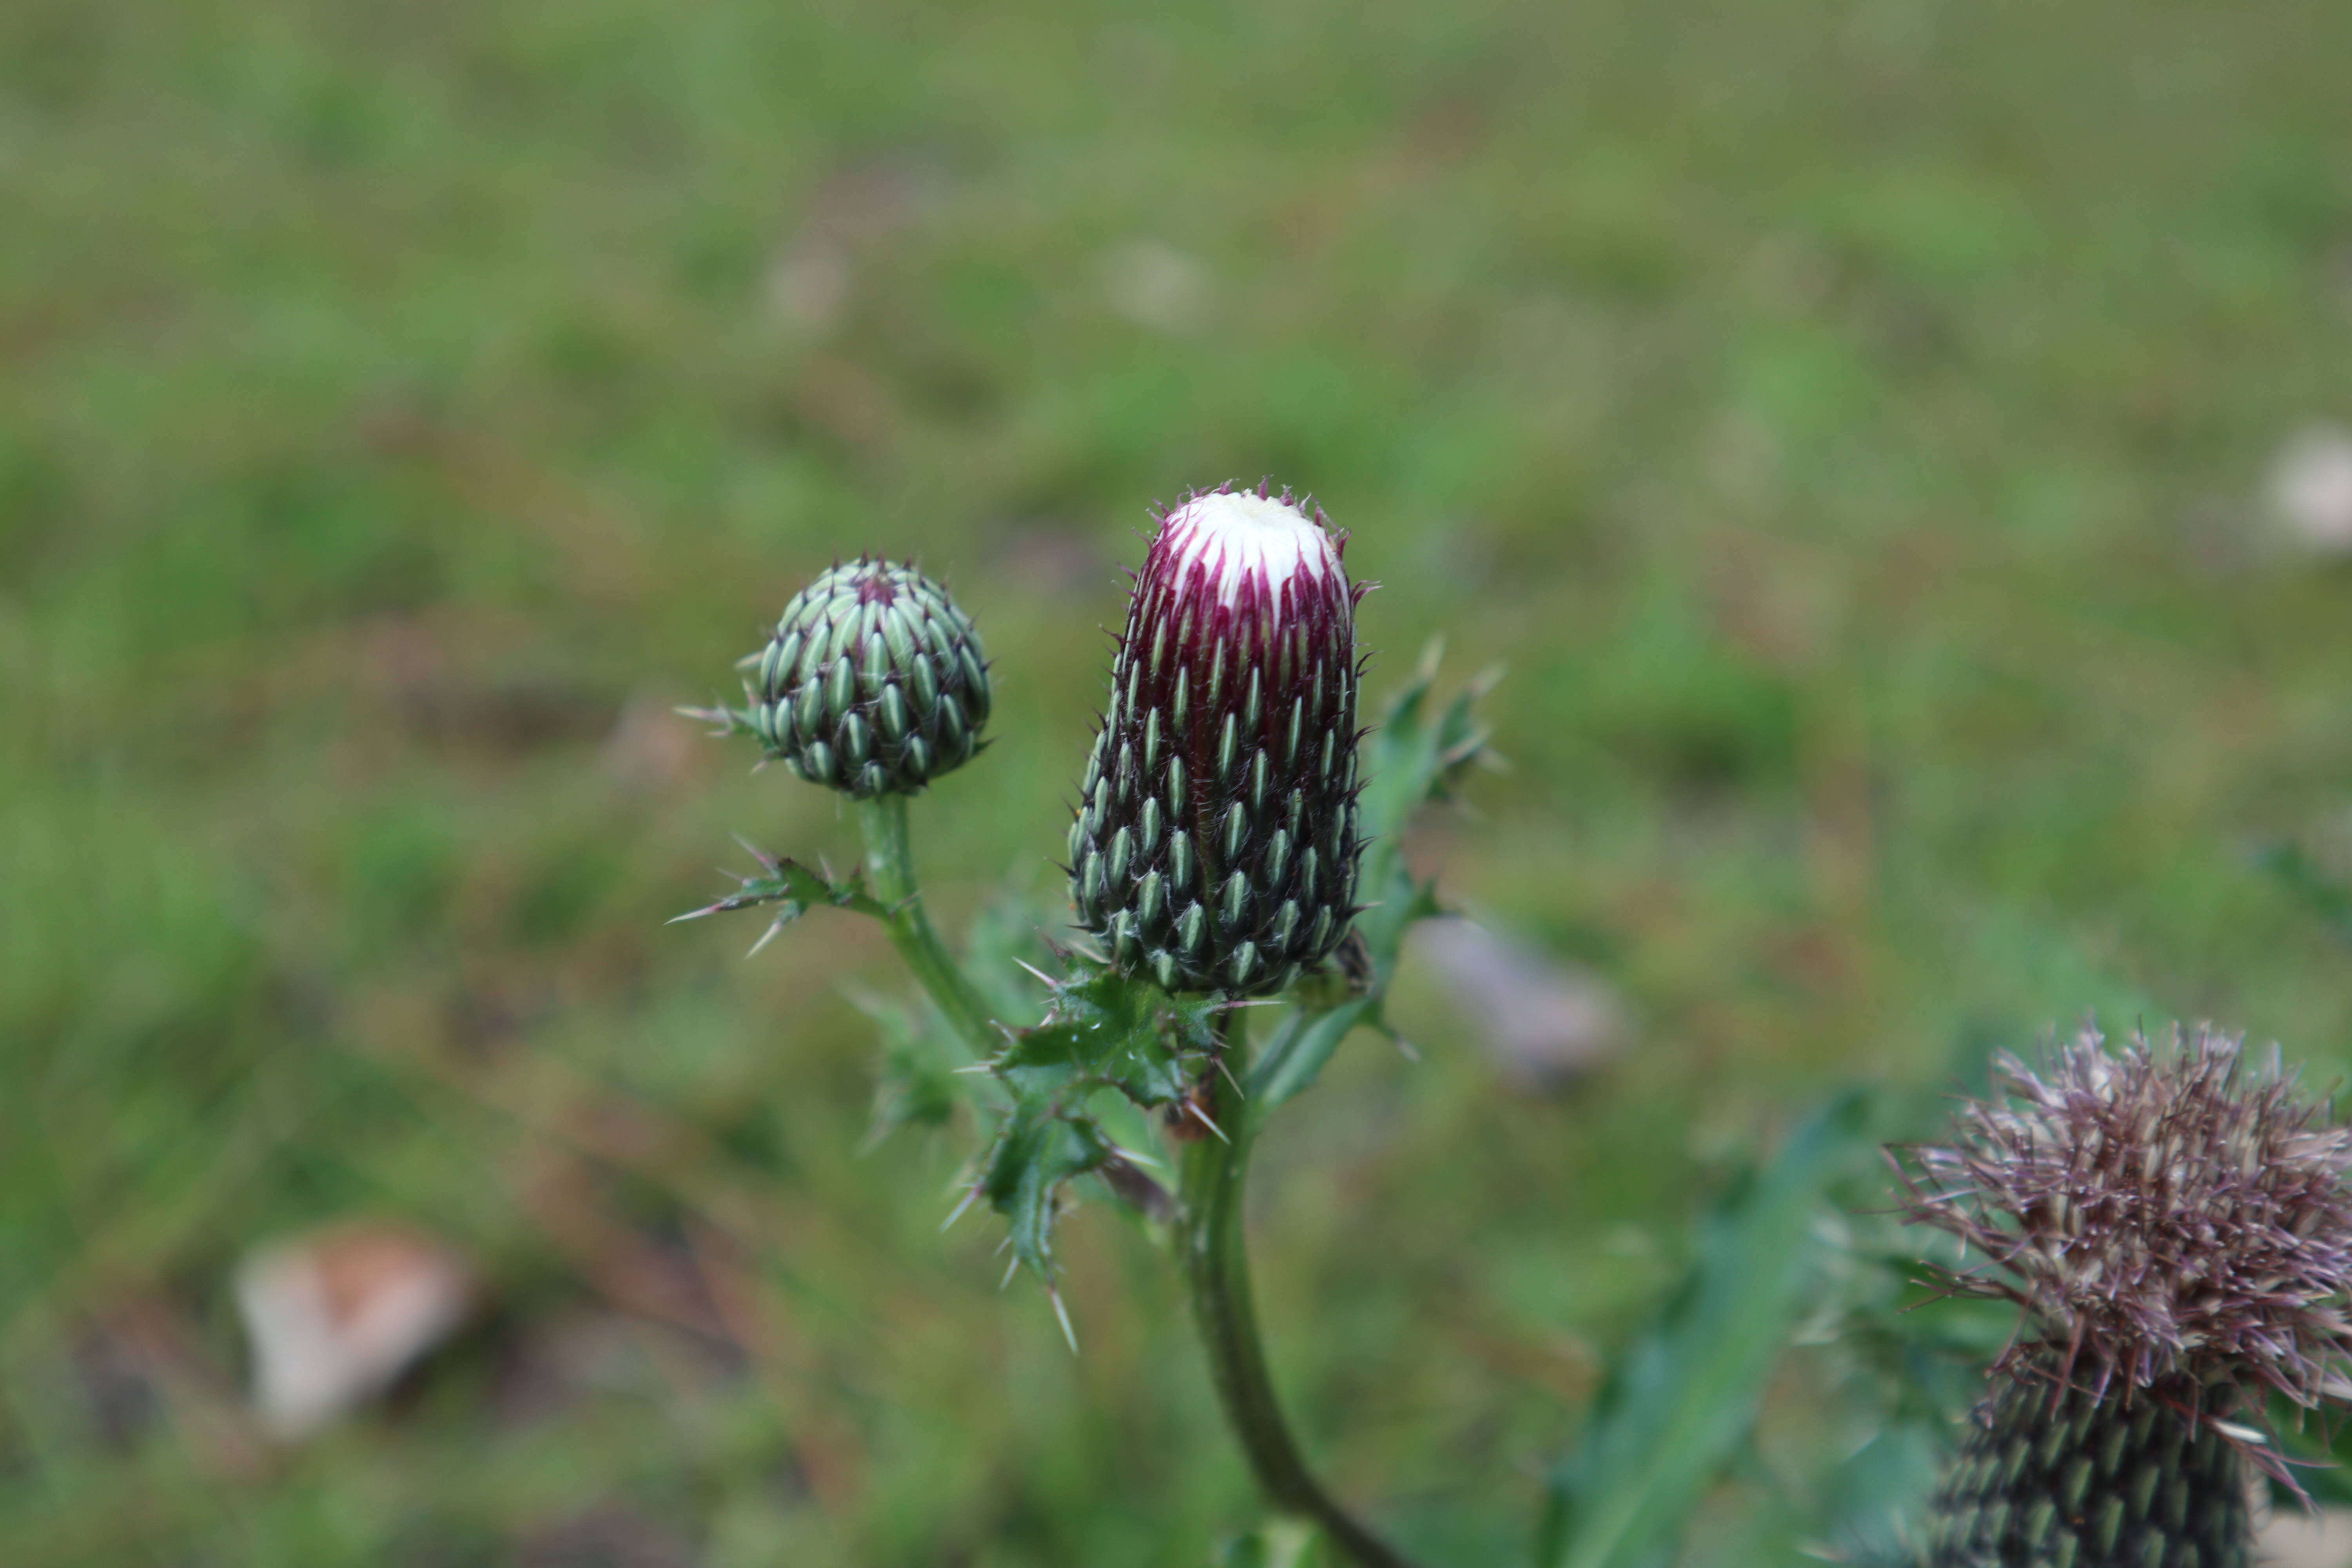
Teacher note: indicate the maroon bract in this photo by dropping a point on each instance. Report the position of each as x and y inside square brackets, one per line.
[1216, 843]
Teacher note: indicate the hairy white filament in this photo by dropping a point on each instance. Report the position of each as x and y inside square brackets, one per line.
[1239, 534]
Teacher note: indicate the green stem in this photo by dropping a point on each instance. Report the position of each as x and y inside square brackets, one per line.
[890, 868]
[1216, 1275]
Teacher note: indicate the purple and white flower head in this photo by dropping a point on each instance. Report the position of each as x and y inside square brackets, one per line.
[1215, 847]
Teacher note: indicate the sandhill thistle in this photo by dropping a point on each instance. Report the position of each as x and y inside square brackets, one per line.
[1215, 857]
[1215, 842]
[873, 684]
[2174, 1223]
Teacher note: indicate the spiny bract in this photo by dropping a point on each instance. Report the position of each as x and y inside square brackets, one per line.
[1215, 846]
[2050, 1475]
[2166, 1210]
[873, 684]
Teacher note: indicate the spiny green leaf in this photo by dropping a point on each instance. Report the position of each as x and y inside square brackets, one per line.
[1041, 1145]
[1413, 758]
[1102, 1031]
[1126, 1034]
[1683, 1396]
[1300, 1047]
[794, 890]
[727, 720]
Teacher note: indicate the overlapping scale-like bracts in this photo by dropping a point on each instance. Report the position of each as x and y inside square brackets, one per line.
[1215, 842]
[2055, 1474]
[873, 684]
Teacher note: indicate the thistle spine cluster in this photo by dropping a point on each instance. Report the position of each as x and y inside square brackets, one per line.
[1215, 844]
[874, 683]
[2175, 1225]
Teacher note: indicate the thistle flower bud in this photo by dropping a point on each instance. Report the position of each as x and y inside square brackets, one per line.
[873, 684]
[1215, 847]
[2175, 1228]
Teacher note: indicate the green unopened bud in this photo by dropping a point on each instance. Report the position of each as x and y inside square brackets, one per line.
[874, 683]
[1215, 843]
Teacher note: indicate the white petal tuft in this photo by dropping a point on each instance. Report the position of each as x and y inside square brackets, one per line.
[1238, 534]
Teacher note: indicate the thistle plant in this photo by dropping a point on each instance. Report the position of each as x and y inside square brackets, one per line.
[1228, 848]
[2173, 1223]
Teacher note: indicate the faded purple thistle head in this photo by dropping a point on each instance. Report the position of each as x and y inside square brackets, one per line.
[1215, 847]
[2168, 1214]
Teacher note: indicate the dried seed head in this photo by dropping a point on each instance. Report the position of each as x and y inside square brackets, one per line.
[2169, 1212]
[1215, 847]
[2174, 1223]
[873, 684]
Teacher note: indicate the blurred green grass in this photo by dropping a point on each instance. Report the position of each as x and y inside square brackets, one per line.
[1847, 421]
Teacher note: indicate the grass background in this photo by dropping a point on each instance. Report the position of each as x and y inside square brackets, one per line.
[1848, 421]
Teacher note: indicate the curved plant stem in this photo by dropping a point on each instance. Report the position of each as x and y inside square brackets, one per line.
[891, 869]
[1208, 1234]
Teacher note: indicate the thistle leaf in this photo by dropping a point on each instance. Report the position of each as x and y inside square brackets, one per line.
[1004, 944]
[1042, 1146]
[795, 890]
[1415, 757]
[1104, 1031]
[1683, 1396]
[1108, 1030]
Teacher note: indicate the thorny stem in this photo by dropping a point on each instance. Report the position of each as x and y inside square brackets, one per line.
[1208, 1234]
[890, 868]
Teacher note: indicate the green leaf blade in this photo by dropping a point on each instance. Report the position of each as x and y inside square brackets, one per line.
[1683, 1396]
